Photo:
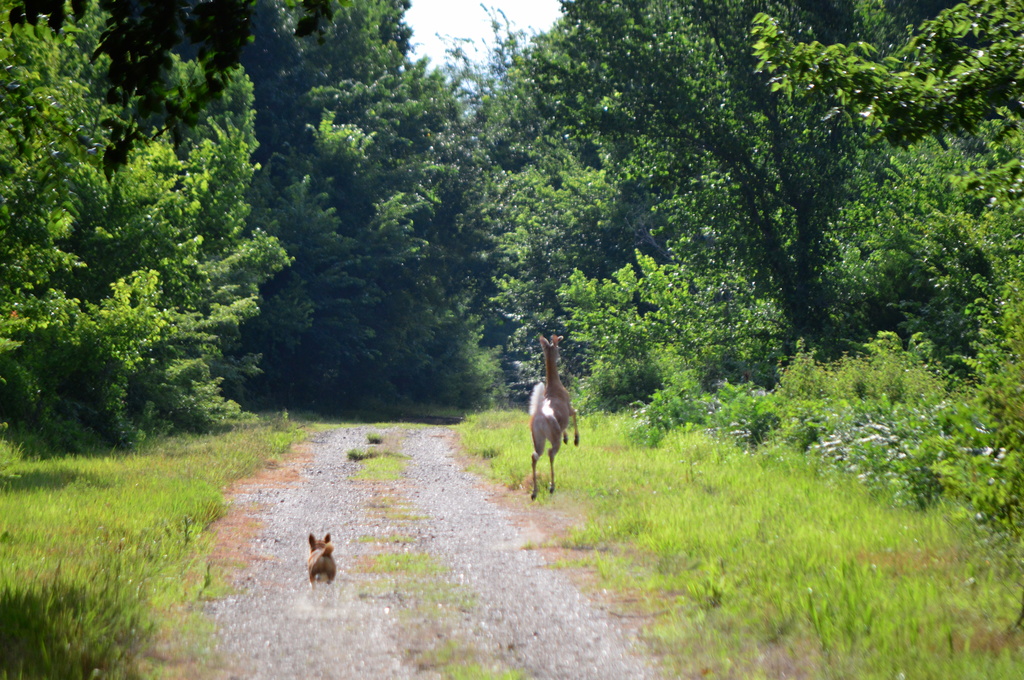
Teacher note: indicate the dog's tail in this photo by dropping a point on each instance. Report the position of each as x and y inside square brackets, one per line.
[538, 397]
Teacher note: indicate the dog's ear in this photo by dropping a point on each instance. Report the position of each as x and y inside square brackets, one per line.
[327, 538]
[312, 541]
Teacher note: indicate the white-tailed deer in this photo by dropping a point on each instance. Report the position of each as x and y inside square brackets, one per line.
[550, 412]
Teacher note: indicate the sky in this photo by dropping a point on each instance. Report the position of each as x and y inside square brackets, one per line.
[468, 19]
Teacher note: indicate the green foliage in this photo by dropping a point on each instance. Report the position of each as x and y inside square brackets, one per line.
[709, 223]
[10, 453]
[552, 222]
[740, 185]
[981, 446]
[735, 197]
[745, 414]
[135, 57]
[881, 445]
[955, 72]
[869, 416]
[918, 257]
[884, 372]
[615, 385]
[720, 328]
[125, 292]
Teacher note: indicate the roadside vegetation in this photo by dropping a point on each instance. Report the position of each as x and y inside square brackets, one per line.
[104, 554]
[769, 561]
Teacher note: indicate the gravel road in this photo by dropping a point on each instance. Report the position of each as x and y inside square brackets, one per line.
[432, 576]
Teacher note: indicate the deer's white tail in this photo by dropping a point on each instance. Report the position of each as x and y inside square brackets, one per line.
[537, 399]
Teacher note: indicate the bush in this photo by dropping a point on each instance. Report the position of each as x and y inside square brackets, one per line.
[885, 371]
[869, 416]
[616, 385]
[980, 450]
[680, 403]
[881, 444]
[746, 413]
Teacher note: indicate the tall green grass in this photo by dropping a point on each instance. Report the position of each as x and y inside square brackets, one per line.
[97, 551]
[768, 564]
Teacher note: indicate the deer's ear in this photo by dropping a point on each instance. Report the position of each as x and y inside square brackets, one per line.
[544, 341]
[555, 339]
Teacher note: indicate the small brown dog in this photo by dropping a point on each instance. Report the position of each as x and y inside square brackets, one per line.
[321, 564]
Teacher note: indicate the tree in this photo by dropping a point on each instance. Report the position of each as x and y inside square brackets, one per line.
[359, 44]
[737, 198]
[135, 49]
[739, 185]
[366, 186]
[122, 294]
[557, 217]
[739, 178]
[955, 73]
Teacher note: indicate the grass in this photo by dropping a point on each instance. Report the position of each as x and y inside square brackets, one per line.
[407, 563]
[98, 552]
[382, 458]
[765, 565]
[390, 538]
[459, 662]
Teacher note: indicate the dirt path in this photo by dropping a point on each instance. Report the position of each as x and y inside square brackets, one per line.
[432, 578]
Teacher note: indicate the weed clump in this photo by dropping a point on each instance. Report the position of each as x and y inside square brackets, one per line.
[360, 455]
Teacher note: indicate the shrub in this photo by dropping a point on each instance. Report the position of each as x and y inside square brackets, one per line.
[885, 371]
[616, 385]
[868, 415]
[680, 403]
[980, 449]
[747, 413]
[881, 444]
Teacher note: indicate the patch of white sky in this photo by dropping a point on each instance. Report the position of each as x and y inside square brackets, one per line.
[436, 22]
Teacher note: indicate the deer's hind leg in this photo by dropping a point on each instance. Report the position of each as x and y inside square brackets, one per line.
[538, 450]
[533, 496]
[551, 459]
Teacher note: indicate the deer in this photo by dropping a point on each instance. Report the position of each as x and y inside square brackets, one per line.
[550, 411]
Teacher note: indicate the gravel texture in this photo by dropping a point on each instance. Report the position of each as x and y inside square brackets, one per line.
[478, 599]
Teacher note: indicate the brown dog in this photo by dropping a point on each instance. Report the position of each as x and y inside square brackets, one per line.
[321, 564]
